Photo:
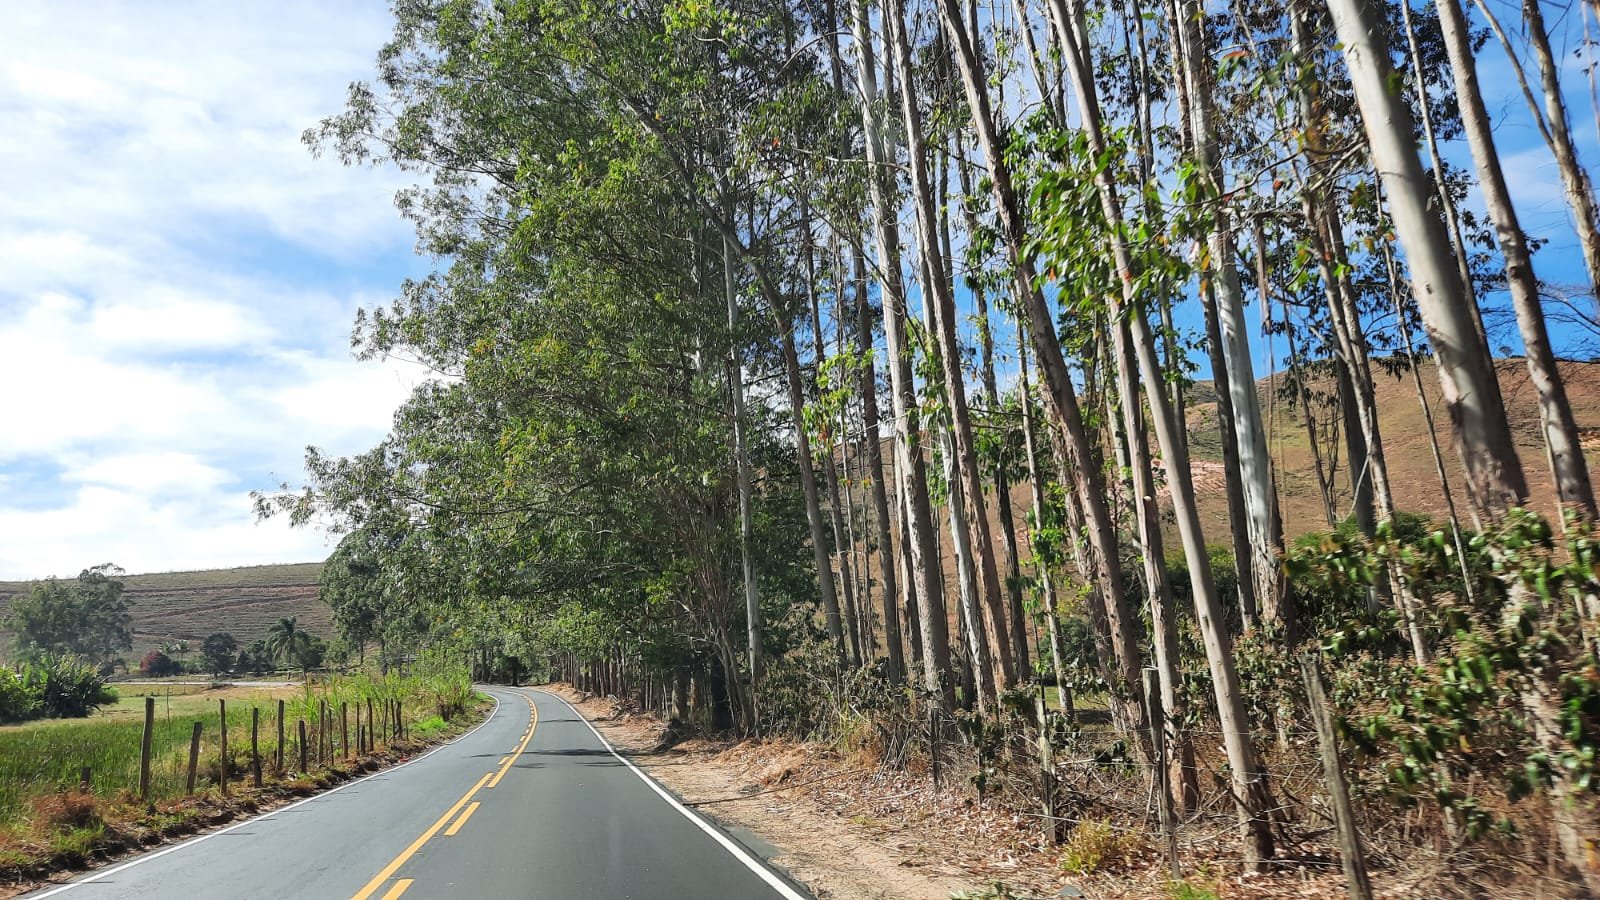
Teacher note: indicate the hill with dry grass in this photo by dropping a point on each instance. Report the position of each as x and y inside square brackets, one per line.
[1412, 470]
[168, 607]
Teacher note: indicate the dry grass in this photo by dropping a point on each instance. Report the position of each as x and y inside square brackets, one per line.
[188, 606]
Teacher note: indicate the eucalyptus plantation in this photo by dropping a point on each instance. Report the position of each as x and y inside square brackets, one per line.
[732, 296]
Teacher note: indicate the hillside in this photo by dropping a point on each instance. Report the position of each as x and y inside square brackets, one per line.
[1405, 438]
[179, 606]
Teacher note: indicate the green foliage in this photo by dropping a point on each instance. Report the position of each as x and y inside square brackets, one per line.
[1183, 890]
[1511, 700]
[86, 617]
[288, 644]
[219, 652]
[51, 687]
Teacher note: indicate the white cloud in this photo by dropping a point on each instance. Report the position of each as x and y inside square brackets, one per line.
[145, 534]
[180, 277]
[152, 474]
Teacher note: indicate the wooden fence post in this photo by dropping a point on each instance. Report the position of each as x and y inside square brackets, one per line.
[1354, 861]
[933, 740]
[1158, 741]
[278, 755]
[86, 779]
[255, 747]
[1047, 772]
[371, 736]
[194, 758]
[144, 747]
[303, 748]
[222, 713]
[344, 728]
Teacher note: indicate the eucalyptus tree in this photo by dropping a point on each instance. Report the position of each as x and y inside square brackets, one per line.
[1550, 118]
[918, 539]
[938, 294]
[1057, 386]
[1471, 389]
[576, 452]
[1222, 277]
[1562, 444]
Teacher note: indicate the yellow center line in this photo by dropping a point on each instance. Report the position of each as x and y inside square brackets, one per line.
[489, 778]
[506, 764]
[465, 815]
[378, 879]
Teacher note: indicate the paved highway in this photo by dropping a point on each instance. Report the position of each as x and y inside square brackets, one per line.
[532, 804]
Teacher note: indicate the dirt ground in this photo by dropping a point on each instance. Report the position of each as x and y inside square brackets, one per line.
[846, 829]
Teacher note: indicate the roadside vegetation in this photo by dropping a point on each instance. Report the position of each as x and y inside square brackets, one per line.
[829, 371]
[69, 787]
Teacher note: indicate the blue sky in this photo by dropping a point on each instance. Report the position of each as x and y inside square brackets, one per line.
[181, 274]
[180, 277]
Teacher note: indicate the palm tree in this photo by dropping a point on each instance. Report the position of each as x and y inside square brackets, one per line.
[287, 643]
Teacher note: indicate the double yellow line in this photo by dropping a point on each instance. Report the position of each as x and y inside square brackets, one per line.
[489, 779]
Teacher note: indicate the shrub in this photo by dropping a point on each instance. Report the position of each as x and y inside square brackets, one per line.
[1098, 845]
[18, 702]
[67, 687]
[158, 665]
[53, 687]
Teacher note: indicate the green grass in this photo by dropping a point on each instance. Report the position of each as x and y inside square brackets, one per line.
[47, 756]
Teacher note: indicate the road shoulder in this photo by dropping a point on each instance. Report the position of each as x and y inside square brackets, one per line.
[832, 855]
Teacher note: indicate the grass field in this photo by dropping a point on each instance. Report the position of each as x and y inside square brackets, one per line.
[43, 757]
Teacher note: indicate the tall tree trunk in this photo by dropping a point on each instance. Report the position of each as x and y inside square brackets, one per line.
[1327, 235]
[1184, 781]
[1057, 387]
[808, 486]
[1233, 479]
[830, 471]
[1002, 482]
[1471, 390]
[1308, 417]
[937, 294]
[877, 475]
[1042, 559]
[1564, 451]
[1251, 791]
[752, 598]
[1447, 204]
[919, 539]
[1255, 466]
[1551, 120]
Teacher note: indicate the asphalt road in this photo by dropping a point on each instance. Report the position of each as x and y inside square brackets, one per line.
[533, 804]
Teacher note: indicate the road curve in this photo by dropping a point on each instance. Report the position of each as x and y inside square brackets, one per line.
[531, 804]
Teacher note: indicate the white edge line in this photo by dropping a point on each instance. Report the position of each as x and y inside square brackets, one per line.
[740, 853]
[106, 873]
